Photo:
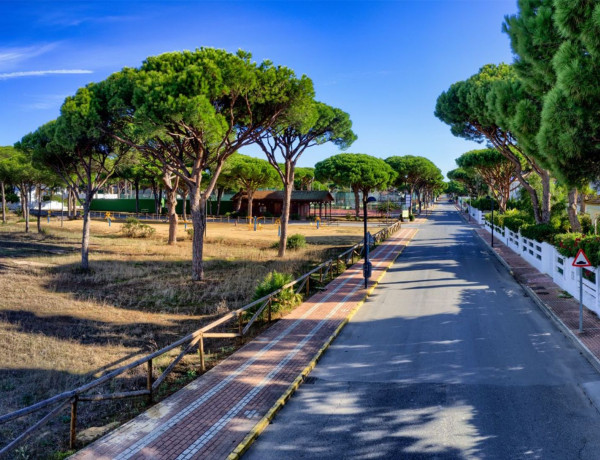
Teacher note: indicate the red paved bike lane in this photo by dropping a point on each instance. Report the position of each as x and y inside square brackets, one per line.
[219, 414]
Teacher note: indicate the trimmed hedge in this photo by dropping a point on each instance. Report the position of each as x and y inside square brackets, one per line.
[513, 219]
[484, 204]
[568, 244]
[540, 232]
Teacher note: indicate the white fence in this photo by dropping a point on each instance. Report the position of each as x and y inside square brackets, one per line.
[547, 259]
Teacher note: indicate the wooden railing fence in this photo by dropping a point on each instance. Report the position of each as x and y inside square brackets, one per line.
[320, 274]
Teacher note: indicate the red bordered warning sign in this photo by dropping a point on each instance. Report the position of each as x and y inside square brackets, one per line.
[581, 260]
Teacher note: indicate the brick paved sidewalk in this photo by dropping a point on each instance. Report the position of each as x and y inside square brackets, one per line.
[565, 311]
[213, 415]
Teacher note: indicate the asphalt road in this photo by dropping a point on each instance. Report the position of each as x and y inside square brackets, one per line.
[448, 359]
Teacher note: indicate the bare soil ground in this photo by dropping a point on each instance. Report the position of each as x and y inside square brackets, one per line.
[60, 328]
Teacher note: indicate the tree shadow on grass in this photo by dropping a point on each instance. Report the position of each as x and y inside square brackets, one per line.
[139, 336]
[22, 249]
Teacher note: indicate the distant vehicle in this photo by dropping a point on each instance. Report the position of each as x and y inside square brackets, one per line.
[451, 200]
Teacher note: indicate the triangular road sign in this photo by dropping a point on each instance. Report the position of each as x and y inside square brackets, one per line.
[581, 260]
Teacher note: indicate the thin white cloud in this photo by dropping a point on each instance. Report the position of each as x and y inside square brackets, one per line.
[10, 56]
[73, 19]
[43, 102]
[41, 73]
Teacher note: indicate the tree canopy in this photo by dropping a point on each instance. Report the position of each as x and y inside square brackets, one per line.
[191, 110]
[495, 170]
[570, 126]
[250, 174]
[492, 106]
[301, 127]
[362, 173]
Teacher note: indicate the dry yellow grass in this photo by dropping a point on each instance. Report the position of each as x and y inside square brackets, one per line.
[60, 328]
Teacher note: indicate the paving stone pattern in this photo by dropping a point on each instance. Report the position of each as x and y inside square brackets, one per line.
[211, 416]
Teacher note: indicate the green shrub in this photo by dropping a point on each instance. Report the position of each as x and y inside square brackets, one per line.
[133, 228]
[586, 223]
[568, 244]
[387, 206]
[515, 219]
[296, 241]
[294, 216]
[411, 217]
[539, 232]
[273, 281]
[484, 204]
[591, 247]
[498, 219]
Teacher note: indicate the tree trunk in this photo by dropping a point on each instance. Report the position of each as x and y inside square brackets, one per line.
[184, 209]
[546, 196]
[69, 203]
[582, 202]
[137, 196]
[156, 192]
[288, 186]
[220, 192]
[85, 238]
[237, 204]
[250, 195]
[73, 194]
[39, 216]
[25, 205]
[197, 208]
[535, 202]
[572, 211]
[3, 201]
[171, 187]
[356, 202]
[172, 211]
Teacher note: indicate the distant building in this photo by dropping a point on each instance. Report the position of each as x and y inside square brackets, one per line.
[271, 202]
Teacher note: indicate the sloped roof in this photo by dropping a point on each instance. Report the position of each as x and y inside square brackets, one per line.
[297, 195]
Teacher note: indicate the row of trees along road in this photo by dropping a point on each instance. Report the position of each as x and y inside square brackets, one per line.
[186, 113]
[493, 168]
[418, 175]
[18, 169]
[540, 113]
[364, 173]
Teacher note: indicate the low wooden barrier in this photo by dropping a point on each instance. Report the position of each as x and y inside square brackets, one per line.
[320, 274]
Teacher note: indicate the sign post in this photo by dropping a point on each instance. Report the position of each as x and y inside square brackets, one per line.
[581, 261]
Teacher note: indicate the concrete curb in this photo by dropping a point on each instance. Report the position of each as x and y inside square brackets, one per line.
[592, 359]
[266, 420]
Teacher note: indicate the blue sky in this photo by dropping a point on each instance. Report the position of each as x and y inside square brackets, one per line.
[384, 62]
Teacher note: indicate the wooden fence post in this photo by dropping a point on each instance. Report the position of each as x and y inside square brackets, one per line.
[149, 380]
[201, 352]
[269, 308]
[73, 431]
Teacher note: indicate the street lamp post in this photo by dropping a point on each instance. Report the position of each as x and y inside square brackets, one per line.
[489, 198]
[367, 267]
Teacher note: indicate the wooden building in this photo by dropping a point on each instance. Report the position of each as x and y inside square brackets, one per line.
[304, 203]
